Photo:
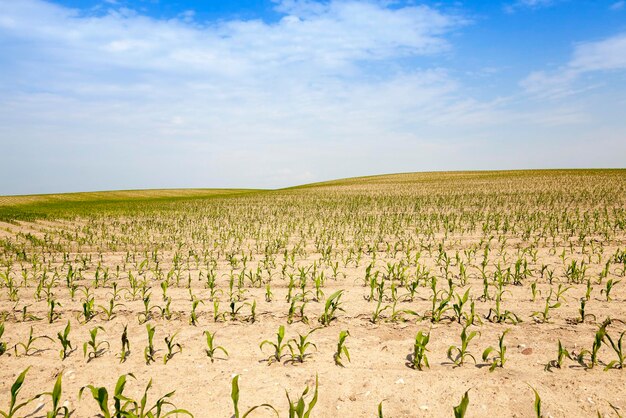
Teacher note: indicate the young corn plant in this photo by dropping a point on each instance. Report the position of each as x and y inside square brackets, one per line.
[461, 353]
[617, 347]
[14, 405]
[499, 316]
[101, 396]
[193, 317]
[342, 350]
[125, 352]
[593, 354]
[234, 395]
[88, 309]
[610, 284]
[419, 360]
[173, 348]
[57, 409]
[149, 351]
[109, 312]
[299, 408]
[333, 304]
[299, 346]
[3, 345]
[544, 316]
[140, 409]
[537, 403]
[461, 409]
[66, 345]
[124, 406]
[211, 348]
[561, 355]
[376, 315]
[458, 306]
[146, 315]
[499, 359]
[95, 346]
[534, 291]
[583, 314]
[52, 315]
[279, 346]
[28, 348]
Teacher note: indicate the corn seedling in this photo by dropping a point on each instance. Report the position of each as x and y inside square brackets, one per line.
[171, 347]
[65, 342]
[419, 358]
[544, 316]
[299, 346]
[3, 345]
[101, 396]
[125, 352]
[461, 409]
[617, 347]
[458, 306]
[211, 348]
[95, 346]
[14, 406]
[561, 355]
[499, 359]
[537, 403]
[608, 287]
[581, 311]
[378, 311]
[55, 396]
[140, 409]
[299, 408]
[593, 354]
[52, 315]
[146, 315]
[28, 348]
[534, 291]
[88, 309]
[193, 317]
[331, 306]
[279, 346]
[342, 350]
[461, 353]
[149, 351]
[109, 312]
[499, 315]
[234, 395]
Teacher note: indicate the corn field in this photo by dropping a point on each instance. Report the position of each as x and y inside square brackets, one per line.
[428, 294]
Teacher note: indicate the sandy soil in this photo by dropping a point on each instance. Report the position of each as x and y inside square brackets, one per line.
[378, 370]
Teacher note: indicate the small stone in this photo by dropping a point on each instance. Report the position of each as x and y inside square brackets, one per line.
[424, 407]
[352, 398]
[521, 346]
[527, 351]
[590, 401]
[400, 381]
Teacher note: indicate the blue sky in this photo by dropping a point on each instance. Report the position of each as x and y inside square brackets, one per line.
[123, 94]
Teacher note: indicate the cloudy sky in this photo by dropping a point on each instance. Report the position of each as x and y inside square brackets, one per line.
[126, 94]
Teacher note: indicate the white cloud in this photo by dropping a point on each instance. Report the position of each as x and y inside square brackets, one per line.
[234, 90]
[618, 5]
[588, 57]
